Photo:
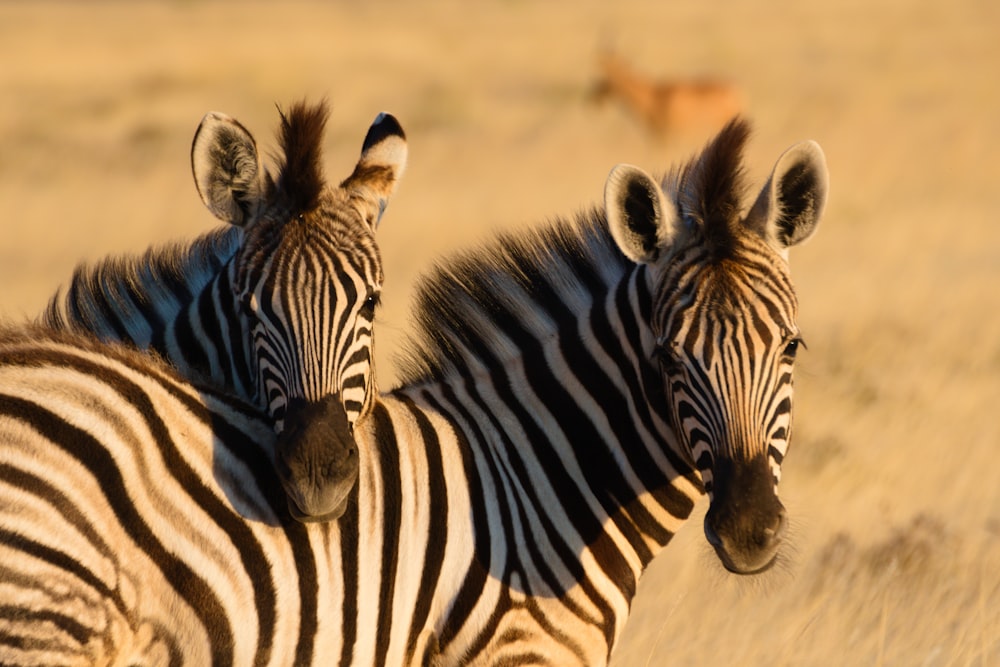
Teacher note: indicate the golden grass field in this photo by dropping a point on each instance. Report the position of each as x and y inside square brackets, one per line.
[894, 477]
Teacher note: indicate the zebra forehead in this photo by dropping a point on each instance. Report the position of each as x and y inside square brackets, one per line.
[724, 295]
[330, 229]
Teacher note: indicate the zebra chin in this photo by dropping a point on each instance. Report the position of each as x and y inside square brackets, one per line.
[317, 459]
[745, 522]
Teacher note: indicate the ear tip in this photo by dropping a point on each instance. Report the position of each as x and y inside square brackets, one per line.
[215, 116]
[812, 150]
[384, 129]
[623, 169]
[388, 124]
[385, 143]
[620, 174]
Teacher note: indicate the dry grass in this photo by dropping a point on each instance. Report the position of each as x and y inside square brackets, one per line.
[893, 478]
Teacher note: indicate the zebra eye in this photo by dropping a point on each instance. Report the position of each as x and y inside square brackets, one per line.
[792, 347]
[368, 307]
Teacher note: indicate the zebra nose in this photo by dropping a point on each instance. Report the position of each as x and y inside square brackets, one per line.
[317, 458]
[750, 544]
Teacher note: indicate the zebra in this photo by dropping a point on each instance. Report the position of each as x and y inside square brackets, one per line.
[278, 306]
[569, 395]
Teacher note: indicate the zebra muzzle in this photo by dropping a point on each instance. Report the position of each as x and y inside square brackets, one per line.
[745, 522]
[317, 458]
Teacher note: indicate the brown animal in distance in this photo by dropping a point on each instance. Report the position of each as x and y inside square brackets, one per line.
[668, 108]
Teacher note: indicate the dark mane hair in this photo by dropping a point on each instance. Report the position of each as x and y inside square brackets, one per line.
[161, 274]
[476, 300]
[711, 188]
[300, 171]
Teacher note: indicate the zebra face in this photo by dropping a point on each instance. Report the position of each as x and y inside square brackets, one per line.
[726, 343]
[309, 305]
[313, 347]
[722, 330]
[306, 282]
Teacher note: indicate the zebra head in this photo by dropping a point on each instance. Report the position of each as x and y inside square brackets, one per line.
[723, 322]
[306, 281]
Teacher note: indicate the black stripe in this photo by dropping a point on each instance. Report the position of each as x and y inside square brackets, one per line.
[238, 344]
[475, 578]
[80, 633]
[55, 497]
[437, 529]
[189, 346]
[349, 540]
[388, 462]
[57, 559]
[208, 318]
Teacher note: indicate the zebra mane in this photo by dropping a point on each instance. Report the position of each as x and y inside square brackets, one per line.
[300, 169]
[165, 274]
[711, 188]
[528, 278]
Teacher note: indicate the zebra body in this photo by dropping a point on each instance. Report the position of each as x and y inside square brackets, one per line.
[563, 409]
[140, 523]
[278, 307]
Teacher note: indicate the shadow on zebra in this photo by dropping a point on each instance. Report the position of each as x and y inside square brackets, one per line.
[569, 396]
[277, 307]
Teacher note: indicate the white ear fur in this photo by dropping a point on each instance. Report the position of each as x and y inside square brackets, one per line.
[382, 163]
[789, 207]
[640, 218]
[227, 169]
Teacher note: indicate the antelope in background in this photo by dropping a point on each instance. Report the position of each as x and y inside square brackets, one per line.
[667, 107]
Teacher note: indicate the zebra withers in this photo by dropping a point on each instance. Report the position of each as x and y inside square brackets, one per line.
[277, 308]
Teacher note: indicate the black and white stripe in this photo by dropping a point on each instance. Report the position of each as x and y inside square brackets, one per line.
[538, 456]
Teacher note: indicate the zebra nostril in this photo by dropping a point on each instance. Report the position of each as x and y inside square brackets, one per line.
[775, 533]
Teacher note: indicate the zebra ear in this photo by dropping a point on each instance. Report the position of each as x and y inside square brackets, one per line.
[640, 219]
[383, 160]
[788, 209]
[227, 169]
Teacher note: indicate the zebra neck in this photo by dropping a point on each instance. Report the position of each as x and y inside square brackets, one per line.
[210, 339]
[564, 436]
[167, 299]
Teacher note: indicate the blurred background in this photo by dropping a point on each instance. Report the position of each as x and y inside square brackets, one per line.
[515, 111]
